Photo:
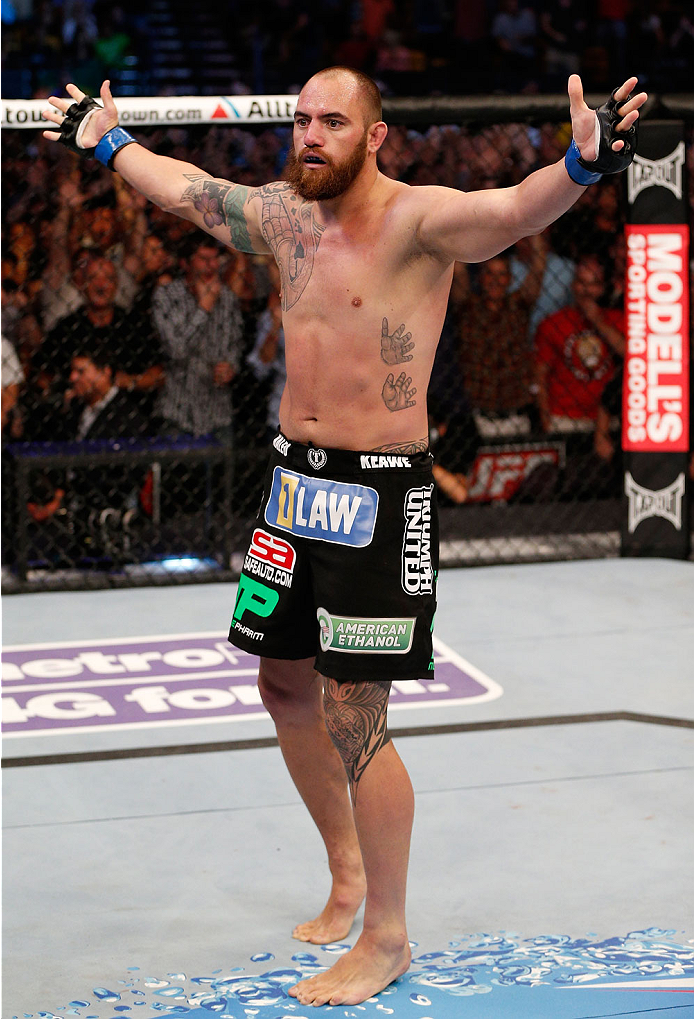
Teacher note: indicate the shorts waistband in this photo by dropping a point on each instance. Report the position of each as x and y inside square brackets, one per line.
[346, 461]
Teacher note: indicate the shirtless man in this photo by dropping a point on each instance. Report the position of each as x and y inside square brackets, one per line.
[337, 593]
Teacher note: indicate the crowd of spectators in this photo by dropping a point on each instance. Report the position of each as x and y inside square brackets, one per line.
[445, 46]
[115, 310]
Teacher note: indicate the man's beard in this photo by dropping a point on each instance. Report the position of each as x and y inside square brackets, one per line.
[330, 180]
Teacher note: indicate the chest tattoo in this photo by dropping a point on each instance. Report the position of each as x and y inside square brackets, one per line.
[291, 231]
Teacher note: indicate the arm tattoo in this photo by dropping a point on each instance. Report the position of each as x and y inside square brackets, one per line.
[220, 202]
[395, 348]
[357, 720]
[415, 446]
[293, 234]
[396, 393]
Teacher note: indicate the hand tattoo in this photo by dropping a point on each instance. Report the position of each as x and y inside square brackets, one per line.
[397, 394]
[293, 234]
[357, 720]
[395, 348]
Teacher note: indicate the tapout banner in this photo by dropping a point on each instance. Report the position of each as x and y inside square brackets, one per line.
[655, 410]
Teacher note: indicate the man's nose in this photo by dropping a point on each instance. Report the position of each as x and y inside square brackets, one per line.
[313, 135]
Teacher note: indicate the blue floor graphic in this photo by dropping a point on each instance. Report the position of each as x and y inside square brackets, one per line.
[484, 976]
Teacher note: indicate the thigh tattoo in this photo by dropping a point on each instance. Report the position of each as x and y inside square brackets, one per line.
[357, 721]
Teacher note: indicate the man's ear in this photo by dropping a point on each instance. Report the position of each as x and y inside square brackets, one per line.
[377, 135]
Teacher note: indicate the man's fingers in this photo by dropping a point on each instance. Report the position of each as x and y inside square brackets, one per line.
[76, 93]
[60, 104]
[57, 118]
[628, 121]
[106, 97]
[634, 104]
[626, 88]
[575, 92]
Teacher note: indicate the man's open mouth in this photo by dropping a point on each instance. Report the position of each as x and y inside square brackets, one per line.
[313, 160]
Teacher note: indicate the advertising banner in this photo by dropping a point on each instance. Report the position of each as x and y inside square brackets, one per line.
[146, 682]
[161, 111]
[656, 403]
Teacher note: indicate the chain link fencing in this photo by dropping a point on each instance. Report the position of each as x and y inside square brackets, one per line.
[138, 409]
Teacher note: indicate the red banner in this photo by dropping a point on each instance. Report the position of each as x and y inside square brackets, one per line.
[656, 365]
[497, 474]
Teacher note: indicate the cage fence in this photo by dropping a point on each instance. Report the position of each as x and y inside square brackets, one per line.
[135, 429]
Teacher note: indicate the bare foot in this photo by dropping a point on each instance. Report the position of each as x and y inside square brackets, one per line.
[367, 969]
[335, 922]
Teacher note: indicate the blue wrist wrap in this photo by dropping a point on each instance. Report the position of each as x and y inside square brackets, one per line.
[112, 142]
[578, 173]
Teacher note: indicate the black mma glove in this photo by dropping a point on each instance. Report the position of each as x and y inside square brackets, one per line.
[74, 116]
[607, 160]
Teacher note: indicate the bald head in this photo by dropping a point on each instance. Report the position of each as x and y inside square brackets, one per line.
[357, 85]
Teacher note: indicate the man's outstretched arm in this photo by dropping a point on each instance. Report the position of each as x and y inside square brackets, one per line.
[474, 226]
[225, 210]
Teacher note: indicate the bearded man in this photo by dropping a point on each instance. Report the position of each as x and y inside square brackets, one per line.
[347, 520]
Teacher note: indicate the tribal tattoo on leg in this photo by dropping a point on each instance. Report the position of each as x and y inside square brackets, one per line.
[357, 722]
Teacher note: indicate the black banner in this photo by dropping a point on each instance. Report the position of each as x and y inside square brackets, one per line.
[655, 420]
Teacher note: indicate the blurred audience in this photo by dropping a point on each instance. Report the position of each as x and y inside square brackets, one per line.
[199, 323]
[446, 46]
[12, 379]
[578, 350]
[496, 358]
[127, 336]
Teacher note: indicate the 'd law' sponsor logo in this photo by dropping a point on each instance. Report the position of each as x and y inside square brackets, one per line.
[322, 509]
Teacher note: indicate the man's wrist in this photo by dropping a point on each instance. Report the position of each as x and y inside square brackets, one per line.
[578, 173]
[111, 144]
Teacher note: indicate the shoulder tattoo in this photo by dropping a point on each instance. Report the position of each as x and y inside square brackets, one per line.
[221, 202]
[293, 234]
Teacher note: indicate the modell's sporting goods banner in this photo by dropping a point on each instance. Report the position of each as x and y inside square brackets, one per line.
[656, 404]
[656, 381]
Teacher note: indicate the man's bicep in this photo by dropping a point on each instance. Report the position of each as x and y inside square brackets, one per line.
[225, 210]
[468, 226]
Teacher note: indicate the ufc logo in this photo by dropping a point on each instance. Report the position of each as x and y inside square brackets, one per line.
[268, 549]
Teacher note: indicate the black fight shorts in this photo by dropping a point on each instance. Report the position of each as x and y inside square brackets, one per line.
[342, 564]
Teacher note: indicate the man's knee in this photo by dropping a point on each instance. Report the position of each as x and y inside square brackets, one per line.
[356, 715]
[288, 688]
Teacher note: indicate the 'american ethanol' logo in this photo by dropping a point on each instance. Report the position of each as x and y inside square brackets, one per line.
[376, 636]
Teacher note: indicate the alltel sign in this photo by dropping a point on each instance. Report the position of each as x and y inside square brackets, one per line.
[656, 389]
